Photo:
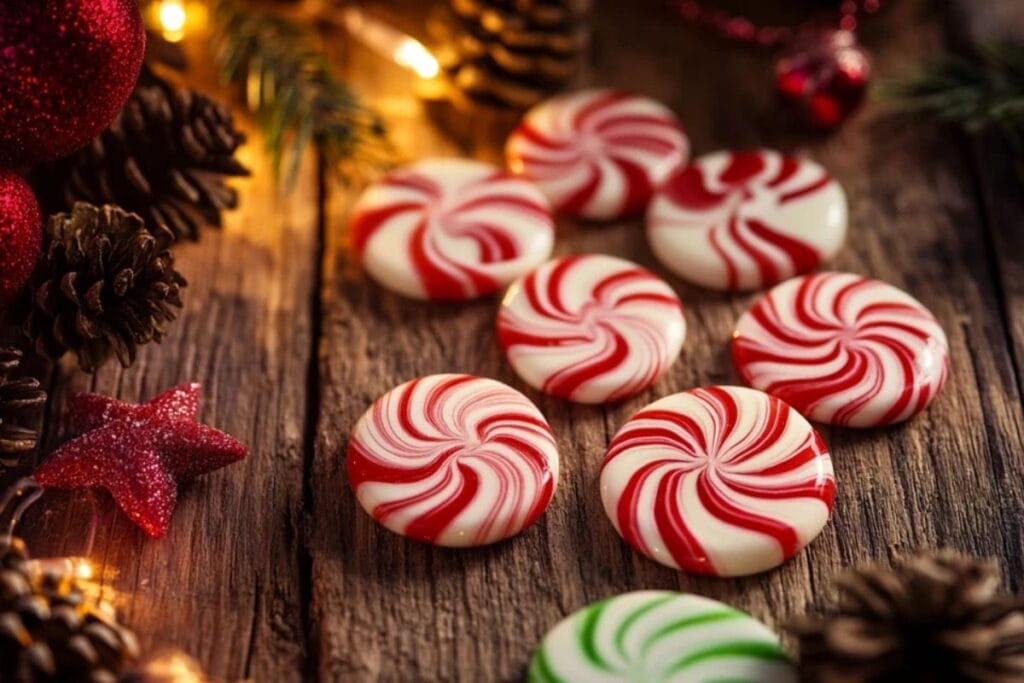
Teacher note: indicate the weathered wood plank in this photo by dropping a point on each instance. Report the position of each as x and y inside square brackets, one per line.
[225, 585]
[387, 609]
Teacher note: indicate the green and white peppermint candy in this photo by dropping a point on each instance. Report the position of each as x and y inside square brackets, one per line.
[660, 637]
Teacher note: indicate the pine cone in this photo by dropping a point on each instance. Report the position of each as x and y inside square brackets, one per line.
[21, 401]
[106, 285]
[514, 53]
[51, 631]
[165, 157]
[934, 618]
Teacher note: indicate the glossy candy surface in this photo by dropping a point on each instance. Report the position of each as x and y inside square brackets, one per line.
[660, 636]
[843, 349]
[453, 460]
[451, 229]
[598, 154]
[591, 328]
[745, 220]
[726, 481]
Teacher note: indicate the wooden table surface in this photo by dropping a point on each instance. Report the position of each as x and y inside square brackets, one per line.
[271, 571]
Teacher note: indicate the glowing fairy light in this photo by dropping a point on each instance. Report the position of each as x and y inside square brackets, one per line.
[172, 17]
[389, 42]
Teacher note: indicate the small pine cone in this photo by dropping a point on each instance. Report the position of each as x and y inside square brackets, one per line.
[51, 631]
[21, 403]
[936, 617]
[105, 286]
[165, 157]
[513, 53]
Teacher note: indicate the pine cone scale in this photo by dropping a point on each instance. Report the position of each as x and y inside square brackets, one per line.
[108, 283]
[51, 631]
[22, 400]
[937, 617]
[167, 146]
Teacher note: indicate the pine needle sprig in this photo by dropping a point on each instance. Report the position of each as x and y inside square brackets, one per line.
[290, 85]
[976, 94]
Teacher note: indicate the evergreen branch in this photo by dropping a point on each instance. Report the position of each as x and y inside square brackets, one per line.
[297, 97]
[979, 93]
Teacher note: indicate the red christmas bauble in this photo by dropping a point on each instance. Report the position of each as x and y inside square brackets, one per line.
[66, 68]
[21, 235]
[825, 74]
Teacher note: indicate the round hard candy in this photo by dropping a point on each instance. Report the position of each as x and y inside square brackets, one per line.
[745, 220]
[726, 481]
[591, 328]
[451, 229]
[843, 349]
[453, 460]
[598, 154]
[660, 636]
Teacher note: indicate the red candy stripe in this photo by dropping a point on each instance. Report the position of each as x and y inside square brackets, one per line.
[453, 460]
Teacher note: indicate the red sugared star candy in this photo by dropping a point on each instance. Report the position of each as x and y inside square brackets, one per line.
[139, 453]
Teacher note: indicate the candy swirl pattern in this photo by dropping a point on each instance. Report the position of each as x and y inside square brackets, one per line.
[598, 154]
[843, 349]
[746, 220]
[591, 328]
[453, 460]
[660, 636]
[451, 229]
[725, 481]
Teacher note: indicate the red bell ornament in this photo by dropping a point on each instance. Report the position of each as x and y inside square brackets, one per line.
[66, 68]
[824, 73]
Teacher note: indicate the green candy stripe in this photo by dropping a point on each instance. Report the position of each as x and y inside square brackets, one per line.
[689, 622]
[768, 652]
[589, 619]
[588, 632]
[627, 623]
[540, 669]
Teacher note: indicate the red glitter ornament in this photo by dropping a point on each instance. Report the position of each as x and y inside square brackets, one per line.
[139, 453]
[822, 70]
[826, 75]
[66, 68]
[21, 235]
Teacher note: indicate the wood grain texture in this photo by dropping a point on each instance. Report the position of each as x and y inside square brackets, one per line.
[272, 571]
[224, 583]
[391, 610]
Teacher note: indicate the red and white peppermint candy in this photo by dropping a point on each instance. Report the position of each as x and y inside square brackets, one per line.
[451, 229]
[745, 220]
[598, 154]
[453, 460]
[726, 481]
[843, 349]
[591, 328]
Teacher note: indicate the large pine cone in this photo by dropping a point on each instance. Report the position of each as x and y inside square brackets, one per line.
[514, 53]
[51, 631]
[165, 157]
[933, 618]
[21, 402]
[105, 286]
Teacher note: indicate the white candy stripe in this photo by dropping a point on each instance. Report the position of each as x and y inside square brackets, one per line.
[598, 154]
[660, 636]
[719, 480]
[745, 220]
[591, 328]
[453, 460]
[843, 349]
[451, 229]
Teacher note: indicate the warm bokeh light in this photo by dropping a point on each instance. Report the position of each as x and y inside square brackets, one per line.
[84, 570]
[172, 17]
[386, 40]
[412, 54]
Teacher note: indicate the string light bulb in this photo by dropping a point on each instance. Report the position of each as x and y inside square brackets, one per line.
[387, 41]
